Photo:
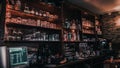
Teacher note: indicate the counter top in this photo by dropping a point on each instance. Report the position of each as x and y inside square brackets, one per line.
[112, 61]
[90, 59]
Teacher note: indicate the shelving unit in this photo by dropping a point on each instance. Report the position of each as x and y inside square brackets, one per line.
[30, 26]
[33, 24]
[84, 29]
[51, 32]
[30, 15]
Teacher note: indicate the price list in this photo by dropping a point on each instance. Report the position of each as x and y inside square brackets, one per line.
[18, 56]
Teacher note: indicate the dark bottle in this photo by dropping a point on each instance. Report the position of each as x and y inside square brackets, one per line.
[69, 36]
[12, 3]
[67, 24]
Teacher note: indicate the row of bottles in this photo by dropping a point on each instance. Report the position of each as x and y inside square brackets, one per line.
[71, 35]
[87, 26]
[71, 24]
[98, 27]
[87, 23]
[14, 4]
[31, 10]
[75, 51]
[40, 13]
[15, 34]
[32, 22]
[69, 51]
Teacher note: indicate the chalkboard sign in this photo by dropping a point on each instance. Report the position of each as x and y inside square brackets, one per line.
[18, 56]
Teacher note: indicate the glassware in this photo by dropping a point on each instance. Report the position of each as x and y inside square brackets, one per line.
[26, 9]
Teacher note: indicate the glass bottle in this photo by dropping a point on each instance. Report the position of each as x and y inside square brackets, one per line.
[36, 13]
[18, 5]
[67, 23]
[32, 11]
[44, 14]
[12, 3]
[73, 26]
[40, 13]
[69, 36]
[26, 8]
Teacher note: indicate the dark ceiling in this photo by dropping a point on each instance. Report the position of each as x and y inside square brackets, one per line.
[98, 6]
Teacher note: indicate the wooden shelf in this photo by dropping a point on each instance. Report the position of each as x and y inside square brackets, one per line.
[44, 6]
[30, 26]
[88, 26]
[88, 33]
[72, 41]
[28, 15]
[32, 41]
[79, 41]
[88, 41]
[69, 29]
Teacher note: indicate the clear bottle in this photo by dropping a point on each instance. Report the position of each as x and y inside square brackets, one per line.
[36, 13]
[40, 13]
[32, 11]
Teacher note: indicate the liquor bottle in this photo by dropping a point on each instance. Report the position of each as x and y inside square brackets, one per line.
[8, 15]
[73, 36]
[73, 25]
[26, 9]
[36, 12]
[44, 14]
[67, 23]
[11, 3]
[69, 36]
[38, 23]
[32, 11]
[40, 13]
[65, 37]
[18, 5]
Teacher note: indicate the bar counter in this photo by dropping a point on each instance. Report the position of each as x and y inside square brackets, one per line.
[89, 62]
[112, 63]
